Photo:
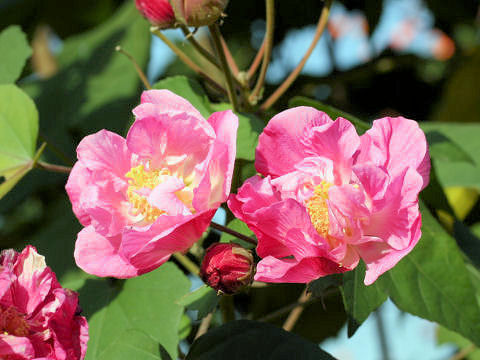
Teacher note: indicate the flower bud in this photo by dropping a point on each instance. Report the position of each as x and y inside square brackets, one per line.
[158, 12]
[227, 267]
[198, 12]
[167, 13]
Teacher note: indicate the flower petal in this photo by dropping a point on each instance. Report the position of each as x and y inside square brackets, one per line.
[175, 141]
[17, 347]
[279, 147]
[163, 101]
[396, 143]
[101, 256]
[215, 186]
[337, 141]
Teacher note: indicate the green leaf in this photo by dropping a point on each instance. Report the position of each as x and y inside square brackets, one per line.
[318, 287]
[134, 344]
[185, 327]
[14, 51]
[18, 135]
[360, 300]
[331, 111]
[434, 283]
[442, 148]
[239, 226]
[146, 304]
[465, 138]
[189, 89]
[249, 128]
[204, 299]
[245, 339]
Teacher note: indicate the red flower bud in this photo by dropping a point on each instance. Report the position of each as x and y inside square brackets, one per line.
[166, 13]
[158, 12]
[227, 267]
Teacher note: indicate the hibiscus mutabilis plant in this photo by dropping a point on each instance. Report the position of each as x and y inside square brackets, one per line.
[324, 200]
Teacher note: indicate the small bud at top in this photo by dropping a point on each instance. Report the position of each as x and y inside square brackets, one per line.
[227, 267]
[169, 13]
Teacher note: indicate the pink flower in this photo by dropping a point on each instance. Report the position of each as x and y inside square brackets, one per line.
[38, 318]
[227, 267]
[330, 197]
[167, 13]
[154, 193]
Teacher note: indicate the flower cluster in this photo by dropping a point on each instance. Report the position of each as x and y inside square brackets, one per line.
[38, 318]
[329, 197]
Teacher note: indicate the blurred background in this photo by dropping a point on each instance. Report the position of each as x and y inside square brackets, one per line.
[418, 59]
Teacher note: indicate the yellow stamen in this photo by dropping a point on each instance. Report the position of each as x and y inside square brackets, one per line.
[318, 209]
[144, 178]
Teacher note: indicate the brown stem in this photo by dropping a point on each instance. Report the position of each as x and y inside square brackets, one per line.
[53, 167]
[228, 55]
[233, 232]
[322, 22]
[216, 36]
[256, 62]
[204, 325]
[464, 353]
[204, 52]
[282, 311]
[186, 60]
[297, 311]
[138, 69]
[270, 5]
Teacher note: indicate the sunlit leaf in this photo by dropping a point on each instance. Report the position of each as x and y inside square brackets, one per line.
[14, 51]
[18, 136]
[146, 304]
[239, 226]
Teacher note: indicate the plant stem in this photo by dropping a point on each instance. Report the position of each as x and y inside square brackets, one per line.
[54, 168]
[462, 354]
[215, 31]
[233, 232]
[256, 62]
[270, 9]
[186, 60]
[322, 22]
[204, 325]
[187, 263]
[227, 308]
[286, 309]
[381, 335]
[138, 69]
[228, 55]
[204, 52]
[294, 315]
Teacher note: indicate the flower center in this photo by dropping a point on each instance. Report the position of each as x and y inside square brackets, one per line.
[141, 178]
[318, 209]
[12, 322]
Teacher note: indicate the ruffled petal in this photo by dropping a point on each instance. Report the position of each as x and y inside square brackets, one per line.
[379, 257]
[105, 151]
[154, 102]
[215, 186]
[279, 147]
[337, 141]
[396, 143]
[17, 347]
[147, 249]
[177, 141]
[102, 256]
